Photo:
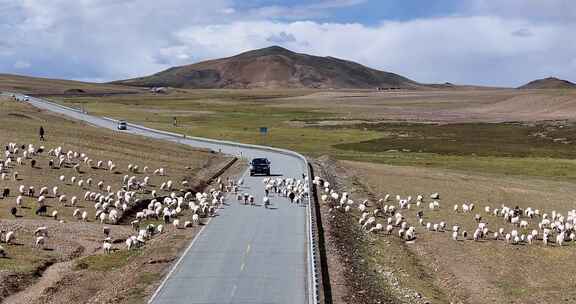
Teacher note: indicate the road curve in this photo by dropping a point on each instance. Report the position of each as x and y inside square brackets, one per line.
[246, 254]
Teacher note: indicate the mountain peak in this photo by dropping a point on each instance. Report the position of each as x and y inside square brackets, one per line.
[549, 83]
[267, 51]
[273, 67]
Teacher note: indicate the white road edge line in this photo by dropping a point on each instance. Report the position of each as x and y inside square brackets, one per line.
[167, 277]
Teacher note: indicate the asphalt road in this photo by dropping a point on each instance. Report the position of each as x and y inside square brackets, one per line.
[246, 254]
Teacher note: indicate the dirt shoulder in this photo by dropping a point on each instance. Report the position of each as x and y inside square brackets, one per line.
[351, 279]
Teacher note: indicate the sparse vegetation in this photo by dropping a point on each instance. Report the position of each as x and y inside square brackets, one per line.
[99, 262]
[361, 125]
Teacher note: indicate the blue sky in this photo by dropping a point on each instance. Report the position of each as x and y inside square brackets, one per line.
[371, 11]
[487, 42]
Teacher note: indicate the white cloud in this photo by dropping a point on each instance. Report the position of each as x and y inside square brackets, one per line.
[503, 42]
[107, 39]
[22, 64]
[483, 50]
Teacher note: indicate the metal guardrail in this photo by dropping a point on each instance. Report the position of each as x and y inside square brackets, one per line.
[313, 279]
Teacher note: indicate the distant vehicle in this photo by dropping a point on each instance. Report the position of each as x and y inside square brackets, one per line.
[122, 125]
[260, 166]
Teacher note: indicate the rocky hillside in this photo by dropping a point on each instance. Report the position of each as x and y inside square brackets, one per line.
[549, 83]
[274, 67]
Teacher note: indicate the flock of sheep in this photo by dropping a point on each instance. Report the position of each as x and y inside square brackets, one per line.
[522, 226]
[109, 203]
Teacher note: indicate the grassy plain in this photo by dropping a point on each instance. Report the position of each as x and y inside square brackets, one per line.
[462, 129]
[466, 271]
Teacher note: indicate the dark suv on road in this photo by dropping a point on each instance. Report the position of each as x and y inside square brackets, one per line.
[260, 166]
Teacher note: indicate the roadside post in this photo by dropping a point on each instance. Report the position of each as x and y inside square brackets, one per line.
[263, 133]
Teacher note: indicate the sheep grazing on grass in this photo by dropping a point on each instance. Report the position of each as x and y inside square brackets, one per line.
[41, 211]
[106, 231]
[389, 229]
[176, 223]
[9, 237]
[41, 231]
[2, 252]
[40, 241]
[376, 228]
[43, 191]
[6, 192]
[107, 246]
[131, 243]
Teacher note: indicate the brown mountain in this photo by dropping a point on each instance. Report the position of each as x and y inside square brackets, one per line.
[273, 67]
[549, 83]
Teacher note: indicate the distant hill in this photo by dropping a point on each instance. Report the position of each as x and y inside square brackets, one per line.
[549, 83]
[273, 67]
[47, 86]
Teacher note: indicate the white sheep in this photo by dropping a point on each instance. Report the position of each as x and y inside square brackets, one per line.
[10, 236]
[376, 228]
[40, 242]
[107, 246]
[389, 229]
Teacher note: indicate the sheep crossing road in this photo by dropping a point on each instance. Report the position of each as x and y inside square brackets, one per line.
[247, 254]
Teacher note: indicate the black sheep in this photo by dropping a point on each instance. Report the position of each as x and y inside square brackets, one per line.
[151, 229]
[33, 163]
[13, 211]
[106, 231]
[6, 192]
[41, 210]
[31, 191]
[166, 219]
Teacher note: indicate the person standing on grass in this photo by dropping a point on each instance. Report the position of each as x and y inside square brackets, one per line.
[41, 133]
